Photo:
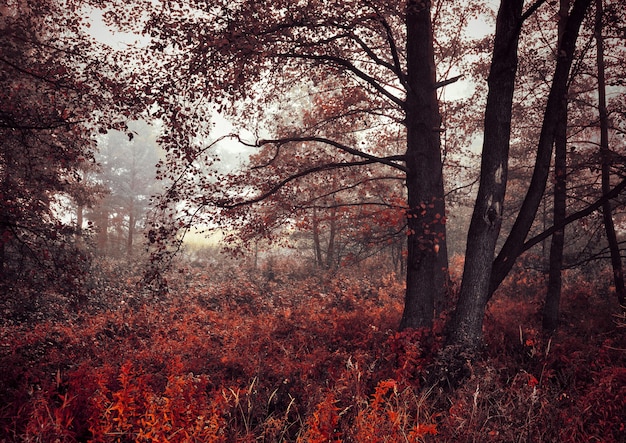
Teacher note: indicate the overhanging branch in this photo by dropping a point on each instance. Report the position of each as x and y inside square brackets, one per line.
[575, 216]
[447, 82]
[278, 186]
[338, 61]
[389, 160]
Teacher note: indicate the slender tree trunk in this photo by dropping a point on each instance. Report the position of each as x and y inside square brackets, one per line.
[607, 211]
[80, 210]
[131, 229]
[102, 237]
[487, 216]
[557, 100]
[330, 252]
[553, 294]
[317, 247]
[442, 278]
[424, 181]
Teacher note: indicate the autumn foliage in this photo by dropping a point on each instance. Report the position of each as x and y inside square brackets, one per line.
[236, 354]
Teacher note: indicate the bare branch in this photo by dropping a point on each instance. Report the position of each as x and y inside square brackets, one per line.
[278, 186]
[531, 10]
[389, 161]
[334, 60]
[575, 216]
[447, 82]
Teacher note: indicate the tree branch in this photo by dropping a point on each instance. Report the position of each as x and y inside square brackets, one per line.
[352, 68]
[575, 216]
[447, 82]
[278, 186]
[389, 161]
[531, 10]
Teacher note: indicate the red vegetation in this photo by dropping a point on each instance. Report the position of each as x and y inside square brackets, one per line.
[235, 356]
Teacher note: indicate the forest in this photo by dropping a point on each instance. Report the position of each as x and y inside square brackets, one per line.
[312, 221]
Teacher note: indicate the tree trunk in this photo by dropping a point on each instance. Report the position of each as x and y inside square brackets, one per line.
[607, 211]
[330, 252]
[487, 216]
[553, 294]
[80, 210]
[131, 229]
[317, 246]
[557, 100]
[424, 181]
[102, 236]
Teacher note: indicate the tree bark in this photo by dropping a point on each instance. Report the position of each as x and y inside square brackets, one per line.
[424, 181]
[553, 294]
[605, 154]
[487, 215]
[332, 232]
[317, 247]
[557, 100]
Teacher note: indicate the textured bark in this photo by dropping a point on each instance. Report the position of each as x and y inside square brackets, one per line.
[553, 294]
[487, 216]
[557, 101]
[607, 212]
[424, 181]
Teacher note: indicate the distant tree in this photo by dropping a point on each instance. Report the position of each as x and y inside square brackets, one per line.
[53, 96]
[43, 147]
[127, 171]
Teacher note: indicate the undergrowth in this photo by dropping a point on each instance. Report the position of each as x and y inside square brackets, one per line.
[243, 355]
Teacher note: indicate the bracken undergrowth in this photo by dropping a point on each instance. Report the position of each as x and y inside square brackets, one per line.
[236, 354]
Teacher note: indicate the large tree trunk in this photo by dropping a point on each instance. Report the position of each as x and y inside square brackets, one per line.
[487, 216]
[557, 100]
[607, 211]
[425, 216]
[553, 294]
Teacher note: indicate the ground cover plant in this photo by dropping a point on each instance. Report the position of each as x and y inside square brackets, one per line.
[237, 354]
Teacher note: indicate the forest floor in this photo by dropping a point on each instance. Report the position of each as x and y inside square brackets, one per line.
[233, 354]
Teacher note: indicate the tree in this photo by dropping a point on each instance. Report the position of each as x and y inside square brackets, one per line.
[553, 295]
[261, 49]
[246, 57]
[127, 166]
[605, 156]
[348, 214]
[43, 149]
[53, 97]
[487, 216]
